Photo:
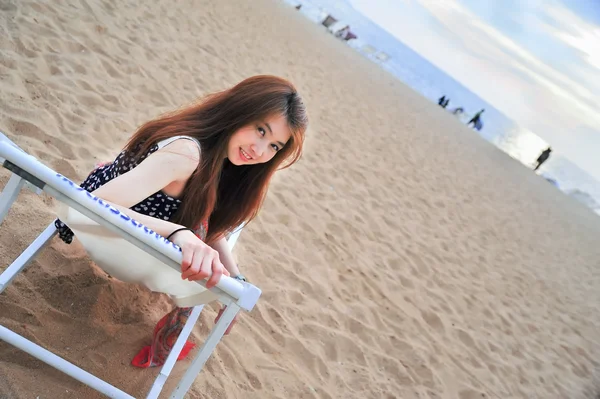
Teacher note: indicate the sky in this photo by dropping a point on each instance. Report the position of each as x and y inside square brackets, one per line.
[537, 61]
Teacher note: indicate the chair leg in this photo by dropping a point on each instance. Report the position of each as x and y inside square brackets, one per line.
[61, 364]
[209, 345]
[26, 256]
[172, 358]
[10, 194]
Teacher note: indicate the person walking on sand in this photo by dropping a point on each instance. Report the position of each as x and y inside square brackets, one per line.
[543, 157]
[476, 118]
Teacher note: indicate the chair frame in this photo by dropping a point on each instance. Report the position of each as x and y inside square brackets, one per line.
[232, 293]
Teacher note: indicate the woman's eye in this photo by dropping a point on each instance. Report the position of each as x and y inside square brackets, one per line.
[261, 131]
[275, 147]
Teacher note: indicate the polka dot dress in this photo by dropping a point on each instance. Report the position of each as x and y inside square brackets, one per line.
[158, 205]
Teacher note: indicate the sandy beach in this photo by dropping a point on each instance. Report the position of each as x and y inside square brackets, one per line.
[403, 257]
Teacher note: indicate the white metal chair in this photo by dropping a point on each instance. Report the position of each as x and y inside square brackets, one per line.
[29, 172]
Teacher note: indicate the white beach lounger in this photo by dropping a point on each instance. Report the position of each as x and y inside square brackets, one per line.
[116, 242]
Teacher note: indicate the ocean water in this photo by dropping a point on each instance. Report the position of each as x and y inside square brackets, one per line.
[415, 71]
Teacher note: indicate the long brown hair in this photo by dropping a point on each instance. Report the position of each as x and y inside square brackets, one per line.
[218, 191]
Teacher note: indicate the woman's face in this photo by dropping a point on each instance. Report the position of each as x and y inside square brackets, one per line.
[258, 142]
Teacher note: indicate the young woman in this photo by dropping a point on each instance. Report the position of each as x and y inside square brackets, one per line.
[196, 174]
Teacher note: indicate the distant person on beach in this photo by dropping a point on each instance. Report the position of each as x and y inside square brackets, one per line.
[350, 36]
[443, 101]
[476, 119]
[342, 33]
[543, 157]
[458, 111]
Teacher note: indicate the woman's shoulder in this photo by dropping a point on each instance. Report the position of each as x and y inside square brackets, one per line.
[181, 139]
[181, 154]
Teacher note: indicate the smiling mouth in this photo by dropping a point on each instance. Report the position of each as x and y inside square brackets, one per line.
[245, 155]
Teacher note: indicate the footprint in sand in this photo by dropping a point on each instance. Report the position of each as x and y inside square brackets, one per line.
[433, 320]
[28, 129]
[471, 394]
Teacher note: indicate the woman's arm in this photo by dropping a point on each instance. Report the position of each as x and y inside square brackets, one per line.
[165, 228]
[175, 162]
[226, 257]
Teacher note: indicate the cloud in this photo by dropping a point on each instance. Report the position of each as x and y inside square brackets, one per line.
[573, 30]
[477, 41]
[486, 42]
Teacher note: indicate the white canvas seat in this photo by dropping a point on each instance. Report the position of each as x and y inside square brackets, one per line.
[126, 250]
[128, 263]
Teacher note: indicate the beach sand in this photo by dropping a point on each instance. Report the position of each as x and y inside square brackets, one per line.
[403, 257]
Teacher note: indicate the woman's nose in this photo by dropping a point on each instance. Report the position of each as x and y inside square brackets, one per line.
[258, 150]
